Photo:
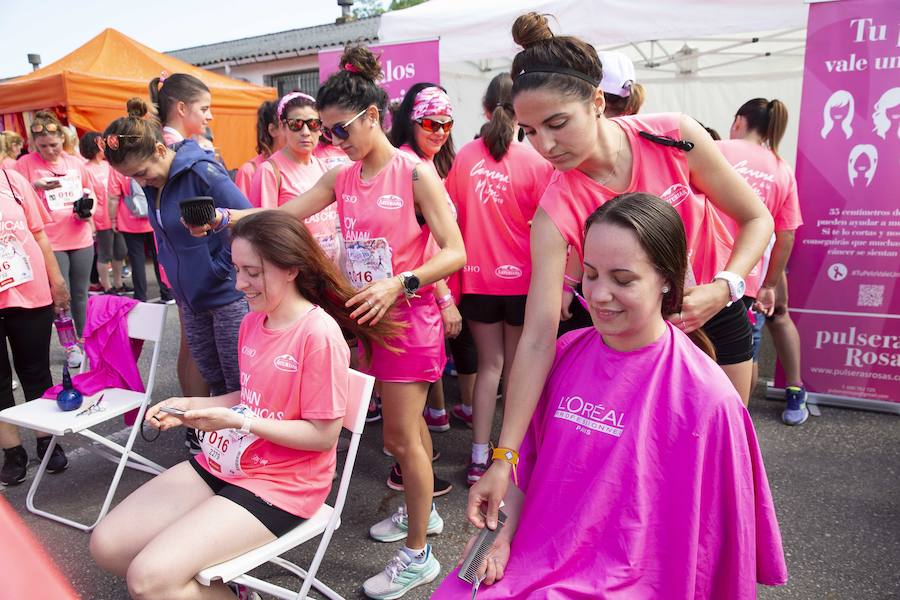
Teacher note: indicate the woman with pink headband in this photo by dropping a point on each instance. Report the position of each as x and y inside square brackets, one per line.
[421, 127]
[294, 169]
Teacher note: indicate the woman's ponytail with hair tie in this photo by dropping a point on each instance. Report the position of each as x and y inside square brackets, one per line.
[352, 68]
[162, 77]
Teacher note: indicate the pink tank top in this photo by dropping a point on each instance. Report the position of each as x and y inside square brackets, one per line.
[380, 235]
[496, 203]
[572, 196]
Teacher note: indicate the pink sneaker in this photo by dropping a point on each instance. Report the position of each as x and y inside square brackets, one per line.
[459, 414]
[475, 472]
[438, 424]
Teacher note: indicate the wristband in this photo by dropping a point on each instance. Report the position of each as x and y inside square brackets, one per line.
[245, 423]
[445, 301]
[226, 218]
[510, 456]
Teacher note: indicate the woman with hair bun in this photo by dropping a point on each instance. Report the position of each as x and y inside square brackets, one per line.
[60, 179]
[391, 260]
[201, 271]
[269, 140]
[561, 109]
[758, 127]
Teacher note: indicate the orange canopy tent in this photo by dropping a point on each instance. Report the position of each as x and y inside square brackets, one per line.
[91, 85]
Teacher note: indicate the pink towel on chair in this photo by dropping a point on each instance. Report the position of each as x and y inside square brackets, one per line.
[111, 354]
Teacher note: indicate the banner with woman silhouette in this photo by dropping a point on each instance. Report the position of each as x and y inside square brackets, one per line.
[844, 271]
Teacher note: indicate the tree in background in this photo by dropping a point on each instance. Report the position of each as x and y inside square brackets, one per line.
[372, 8]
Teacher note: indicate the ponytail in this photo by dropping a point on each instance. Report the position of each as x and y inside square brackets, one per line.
[178, 87]
[767, 118]
[497, 133]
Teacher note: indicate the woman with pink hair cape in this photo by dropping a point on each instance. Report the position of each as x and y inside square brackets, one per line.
[640, 475]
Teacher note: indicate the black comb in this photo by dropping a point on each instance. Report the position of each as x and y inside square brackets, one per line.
[198, 211]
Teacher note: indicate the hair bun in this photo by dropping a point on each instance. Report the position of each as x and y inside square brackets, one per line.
[362, 61]
[530, 29]
[137, 108]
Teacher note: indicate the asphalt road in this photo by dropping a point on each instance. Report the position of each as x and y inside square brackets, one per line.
[836, 482]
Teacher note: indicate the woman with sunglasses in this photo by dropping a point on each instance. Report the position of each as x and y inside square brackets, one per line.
[560, 107]
[393, 262]
[201, 271]
[421, 126]
[294, 169]
[32, 291]
[60, 180]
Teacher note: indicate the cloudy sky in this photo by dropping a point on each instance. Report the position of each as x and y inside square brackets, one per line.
[53, 28]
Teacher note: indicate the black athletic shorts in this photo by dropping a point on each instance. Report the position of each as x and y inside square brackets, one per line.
[276, 520]
[485, 308]
[731, 335]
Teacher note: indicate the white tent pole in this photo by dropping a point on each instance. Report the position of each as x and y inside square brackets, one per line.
[746, 58]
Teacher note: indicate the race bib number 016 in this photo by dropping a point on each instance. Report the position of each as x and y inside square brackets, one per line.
[66, 194]
[367, 261]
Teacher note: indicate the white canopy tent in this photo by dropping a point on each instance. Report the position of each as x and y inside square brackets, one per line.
[701, 57]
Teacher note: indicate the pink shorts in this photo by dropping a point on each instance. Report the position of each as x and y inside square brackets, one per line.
[422, 356]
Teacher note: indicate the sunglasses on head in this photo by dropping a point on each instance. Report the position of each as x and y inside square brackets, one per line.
[112, 141]
[42, 128]
[433, 126]
[297, 124]
[340, 131]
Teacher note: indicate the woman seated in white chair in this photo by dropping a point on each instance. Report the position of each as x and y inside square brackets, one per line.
[639, 475]
[269, 449]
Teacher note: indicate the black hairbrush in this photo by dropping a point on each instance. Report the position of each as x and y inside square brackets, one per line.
[198, 211]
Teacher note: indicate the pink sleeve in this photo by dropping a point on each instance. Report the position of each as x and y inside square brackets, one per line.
[36, 214]
[264, 187]
[325, 380]
[244, 177]
[788, 217]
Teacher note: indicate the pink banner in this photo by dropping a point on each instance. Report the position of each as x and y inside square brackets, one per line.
[402, 65]
[846, 261]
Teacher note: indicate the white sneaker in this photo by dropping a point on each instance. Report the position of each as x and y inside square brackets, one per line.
[396, 527]
[403, 574]
[74, 356]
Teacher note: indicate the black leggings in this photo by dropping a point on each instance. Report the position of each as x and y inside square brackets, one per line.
[28, 331]
[137, 244]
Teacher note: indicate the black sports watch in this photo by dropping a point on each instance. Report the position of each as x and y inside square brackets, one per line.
[410, 283]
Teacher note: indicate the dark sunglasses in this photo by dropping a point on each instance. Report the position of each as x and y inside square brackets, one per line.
[297, 124]
[41, 128]
[340, 131]
[433, 126]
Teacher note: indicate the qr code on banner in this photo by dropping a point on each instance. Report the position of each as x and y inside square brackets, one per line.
[870, 295]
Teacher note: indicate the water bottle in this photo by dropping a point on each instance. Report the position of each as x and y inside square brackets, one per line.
[65, 329]
[68, 398]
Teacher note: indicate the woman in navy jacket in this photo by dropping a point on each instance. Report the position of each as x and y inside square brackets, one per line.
[199, 269]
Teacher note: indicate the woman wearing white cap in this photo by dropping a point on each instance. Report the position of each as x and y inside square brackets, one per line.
[623, 94]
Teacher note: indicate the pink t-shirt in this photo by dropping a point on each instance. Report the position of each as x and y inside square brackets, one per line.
[496, 202]
[120, 186]
[297, 373]
[171, 136]
[643, 478]
[100, 172]
[21, 215]
[280, 179]
[572, 196]
[245, 173]
[7, 162]
[66, 231]
[331, 156]
[378, 222]
[774, 183]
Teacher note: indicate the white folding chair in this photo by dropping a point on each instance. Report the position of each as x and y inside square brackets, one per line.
[323, 523]
[145, 322]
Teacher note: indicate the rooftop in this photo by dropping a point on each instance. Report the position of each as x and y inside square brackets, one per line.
[284, 44]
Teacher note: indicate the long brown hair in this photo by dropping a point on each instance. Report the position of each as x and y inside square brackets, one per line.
[178, 87]
[284, 241]
[660, 232]
[497, 134]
